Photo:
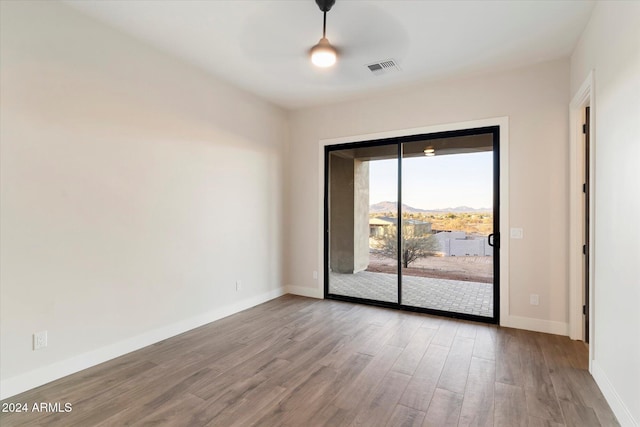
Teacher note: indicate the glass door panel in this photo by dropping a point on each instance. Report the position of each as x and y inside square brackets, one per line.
[362, 217]
[447, 220]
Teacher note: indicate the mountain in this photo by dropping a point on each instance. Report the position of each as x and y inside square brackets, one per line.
[383, 207]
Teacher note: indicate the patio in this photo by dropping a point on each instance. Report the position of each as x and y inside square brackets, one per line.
[439, 294]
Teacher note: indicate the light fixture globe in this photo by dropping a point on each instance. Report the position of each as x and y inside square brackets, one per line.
[323, 55]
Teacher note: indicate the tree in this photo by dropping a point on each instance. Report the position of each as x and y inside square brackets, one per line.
[413, 247]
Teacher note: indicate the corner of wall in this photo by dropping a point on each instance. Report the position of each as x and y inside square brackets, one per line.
[625, 418]
[40, 376]
[305, 292]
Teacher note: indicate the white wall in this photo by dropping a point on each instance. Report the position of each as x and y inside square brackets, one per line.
[136, 189]
[610, 45]
[535, 99]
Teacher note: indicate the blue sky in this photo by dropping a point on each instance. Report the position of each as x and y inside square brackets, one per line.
[435, 182]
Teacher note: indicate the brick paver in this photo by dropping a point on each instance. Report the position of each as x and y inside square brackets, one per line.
[439, 294]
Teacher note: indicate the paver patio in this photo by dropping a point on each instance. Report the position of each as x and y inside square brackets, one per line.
[439, 294]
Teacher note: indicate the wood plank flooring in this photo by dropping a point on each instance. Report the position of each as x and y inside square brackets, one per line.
[297, 361]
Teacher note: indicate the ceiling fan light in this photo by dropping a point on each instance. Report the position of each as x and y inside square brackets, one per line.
[323, 55]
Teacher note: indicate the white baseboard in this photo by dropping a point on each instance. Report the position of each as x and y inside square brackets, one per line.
[617, 405]
[305, 292]
[37, 377]
[537, 325]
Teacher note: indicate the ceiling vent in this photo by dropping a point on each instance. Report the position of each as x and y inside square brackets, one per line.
[383, 67]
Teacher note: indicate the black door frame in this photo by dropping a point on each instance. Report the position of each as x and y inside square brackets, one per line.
[587, 224]
[495, 131]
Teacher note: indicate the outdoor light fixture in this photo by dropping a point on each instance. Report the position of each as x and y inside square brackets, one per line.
[429, 151]
[323, 54]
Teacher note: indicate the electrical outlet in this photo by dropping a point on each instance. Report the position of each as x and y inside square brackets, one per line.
[516, 233]
[39, 340]
[238, 285]
[534, 299]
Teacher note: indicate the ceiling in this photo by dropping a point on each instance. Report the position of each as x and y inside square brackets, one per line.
[262, 46]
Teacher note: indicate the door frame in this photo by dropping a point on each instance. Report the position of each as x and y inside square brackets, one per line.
[583, 98]
[501, 310]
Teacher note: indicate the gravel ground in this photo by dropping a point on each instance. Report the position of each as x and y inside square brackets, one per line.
[467, 268]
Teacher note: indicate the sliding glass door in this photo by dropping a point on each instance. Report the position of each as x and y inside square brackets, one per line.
[412, 222]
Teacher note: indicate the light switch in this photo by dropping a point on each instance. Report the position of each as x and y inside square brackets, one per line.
[517, 233]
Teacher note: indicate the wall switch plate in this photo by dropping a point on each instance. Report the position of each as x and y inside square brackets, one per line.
[534, 299]
[39, 340]
[238, 285]
[315, 275]
[517, 233]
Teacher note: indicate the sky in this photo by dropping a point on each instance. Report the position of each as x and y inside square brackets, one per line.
[435, 182]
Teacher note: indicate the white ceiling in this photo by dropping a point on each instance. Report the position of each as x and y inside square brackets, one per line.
[262, 46]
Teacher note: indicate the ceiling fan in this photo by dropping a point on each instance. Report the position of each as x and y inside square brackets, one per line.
[324, 54]
[353, 44]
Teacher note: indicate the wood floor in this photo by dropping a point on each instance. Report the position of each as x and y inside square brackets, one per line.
[296, 361]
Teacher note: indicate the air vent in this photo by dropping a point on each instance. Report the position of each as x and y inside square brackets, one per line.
[383, 67]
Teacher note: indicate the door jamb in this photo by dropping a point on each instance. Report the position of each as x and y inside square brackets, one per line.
[584, 97]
